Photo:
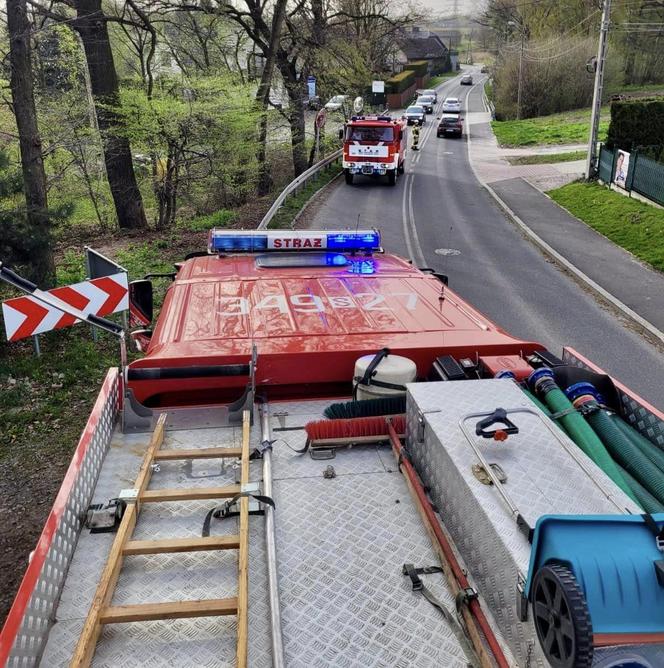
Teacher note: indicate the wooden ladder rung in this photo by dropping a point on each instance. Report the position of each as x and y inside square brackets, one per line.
[189, 494]
[198, 453]
[169, 545]
[171, 610]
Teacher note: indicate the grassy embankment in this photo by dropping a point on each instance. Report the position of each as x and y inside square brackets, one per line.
[546, 158]
[634, 225]
[569, 127]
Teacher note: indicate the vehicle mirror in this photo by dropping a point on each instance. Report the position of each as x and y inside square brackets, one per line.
[141, 301]
[341, 133]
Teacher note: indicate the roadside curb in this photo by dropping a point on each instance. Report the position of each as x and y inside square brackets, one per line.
[563, 261]
[313, 198]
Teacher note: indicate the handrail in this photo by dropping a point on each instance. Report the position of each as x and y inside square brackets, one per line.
[296, 183]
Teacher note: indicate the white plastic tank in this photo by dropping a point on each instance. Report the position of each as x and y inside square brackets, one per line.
[391, 369]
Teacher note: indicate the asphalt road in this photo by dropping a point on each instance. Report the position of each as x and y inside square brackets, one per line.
[440, 216]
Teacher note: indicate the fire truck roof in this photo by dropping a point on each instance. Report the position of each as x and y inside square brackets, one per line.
[310, 319]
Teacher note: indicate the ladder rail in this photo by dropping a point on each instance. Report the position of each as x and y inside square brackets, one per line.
[101, 611]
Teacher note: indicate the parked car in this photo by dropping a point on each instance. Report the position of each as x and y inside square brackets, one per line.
[467, 80]
[432, 93]
[427, 102]
[452, 105]
[450, 124]
[485, 69]
[337, 102]
[314, 103]
[415, 114]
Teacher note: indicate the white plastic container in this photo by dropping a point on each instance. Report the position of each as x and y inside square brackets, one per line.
[391, 369]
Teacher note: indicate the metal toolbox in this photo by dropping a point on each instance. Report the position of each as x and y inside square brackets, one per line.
[543, 473]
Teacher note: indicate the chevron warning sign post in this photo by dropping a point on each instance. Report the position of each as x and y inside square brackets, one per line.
[26, 316]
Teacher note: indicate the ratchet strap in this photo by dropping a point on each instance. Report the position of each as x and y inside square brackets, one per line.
[462, 598]
[225, 510]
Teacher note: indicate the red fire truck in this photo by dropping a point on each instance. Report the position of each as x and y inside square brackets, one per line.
[481, 501]
[374, 146]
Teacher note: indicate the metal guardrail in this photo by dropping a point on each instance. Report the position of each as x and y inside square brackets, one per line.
[297, 183]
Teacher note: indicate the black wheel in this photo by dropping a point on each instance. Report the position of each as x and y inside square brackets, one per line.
[561, 618]
[392, 177]
[349, 177]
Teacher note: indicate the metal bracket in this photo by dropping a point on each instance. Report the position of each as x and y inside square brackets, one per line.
[521, 599]
[321, 454]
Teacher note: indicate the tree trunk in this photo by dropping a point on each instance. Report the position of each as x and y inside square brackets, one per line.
[263, 96]
[32, 163]
[93, 29]
[295, 92]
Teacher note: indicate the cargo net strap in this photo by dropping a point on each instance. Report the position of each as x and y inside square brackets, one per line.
[368, 379]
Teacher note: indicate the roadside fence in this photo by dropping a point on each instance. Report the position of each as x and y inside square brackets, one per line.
[643, 175]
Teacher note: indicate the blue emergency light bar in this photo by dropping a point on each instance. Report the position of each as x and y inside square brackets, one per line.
[253, 241]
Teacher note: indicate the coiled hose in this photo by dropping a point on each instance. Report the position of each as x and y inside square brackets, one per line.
[543, 384]
[623, 450]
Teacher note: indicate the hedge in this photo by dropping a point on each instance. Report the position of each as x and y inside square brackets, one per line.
[636, 123]
[420, 67]
[400, 82]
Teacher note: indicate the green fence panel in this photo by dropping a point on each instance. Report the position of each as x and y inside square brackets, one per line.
[605, 164]
[648, 179]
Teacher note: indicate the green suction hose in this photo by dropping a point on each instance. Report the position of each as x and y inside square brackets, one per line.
[645, 499]
[625, 452]
[650, 450]
[542, 381]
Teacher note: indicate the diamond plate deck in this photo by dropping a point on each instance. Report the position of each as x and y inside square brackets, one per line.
[541, 479]
[341, 544]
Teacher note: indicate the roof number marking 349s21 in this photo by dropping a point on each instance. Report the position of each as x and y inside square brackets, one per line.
[366, 301]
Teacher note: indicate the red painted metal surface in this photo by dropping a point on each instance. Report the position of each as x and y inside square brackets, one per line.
[617, 383]
[309, 325]
[34, 569]
[450, 557]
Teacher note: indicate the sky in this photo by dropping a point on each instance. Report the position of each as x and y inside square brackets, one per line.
[447, 6]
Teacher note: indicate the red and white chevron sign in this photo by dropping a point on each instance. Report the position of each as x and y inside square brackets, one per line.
[25, 316]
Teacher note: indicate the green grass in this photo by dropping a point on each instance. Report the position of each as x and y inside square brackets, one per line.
[569, 127]
[546, 158]
[293, 205]
[439, 78]
[637, 227]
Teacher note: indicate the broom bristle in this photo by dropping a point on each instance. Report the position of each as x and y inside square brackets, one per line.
[354, 428]
[366, 408]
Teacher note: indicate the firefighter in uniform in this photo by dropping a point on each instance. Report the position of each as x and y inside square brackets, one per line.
[416, 136]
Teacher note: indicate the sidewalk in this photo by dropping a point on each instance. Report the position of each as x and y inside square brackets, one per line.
[631, 286]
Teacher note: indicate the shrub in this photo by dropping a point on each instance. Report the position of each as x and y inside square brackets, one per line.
[400, 82]
[636, 123]
[419, 67]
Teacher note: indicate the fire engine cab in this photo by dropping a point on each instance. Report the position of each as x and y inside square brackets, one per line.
[374, 146]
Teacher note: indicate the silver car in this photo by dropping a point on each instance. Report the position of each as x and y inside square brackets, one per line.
[427, 102]
[432, 93]
[452, 105]
[415, 114]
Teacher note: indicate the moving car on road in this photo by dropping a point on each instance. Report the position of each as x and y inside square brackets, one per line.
[336, 103]
[427, 102]
[415, 114]
[467, 80]
[452, 105]
[431, 92]
[450, 124]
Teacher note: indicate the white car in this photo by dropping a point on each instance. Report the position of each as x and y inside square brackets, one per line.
[432, 92]
[336, 103]
[451, 105]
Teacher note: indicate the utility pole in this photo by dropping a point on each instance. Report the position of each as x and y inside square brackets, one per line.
[518, 90]
[597, 93]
